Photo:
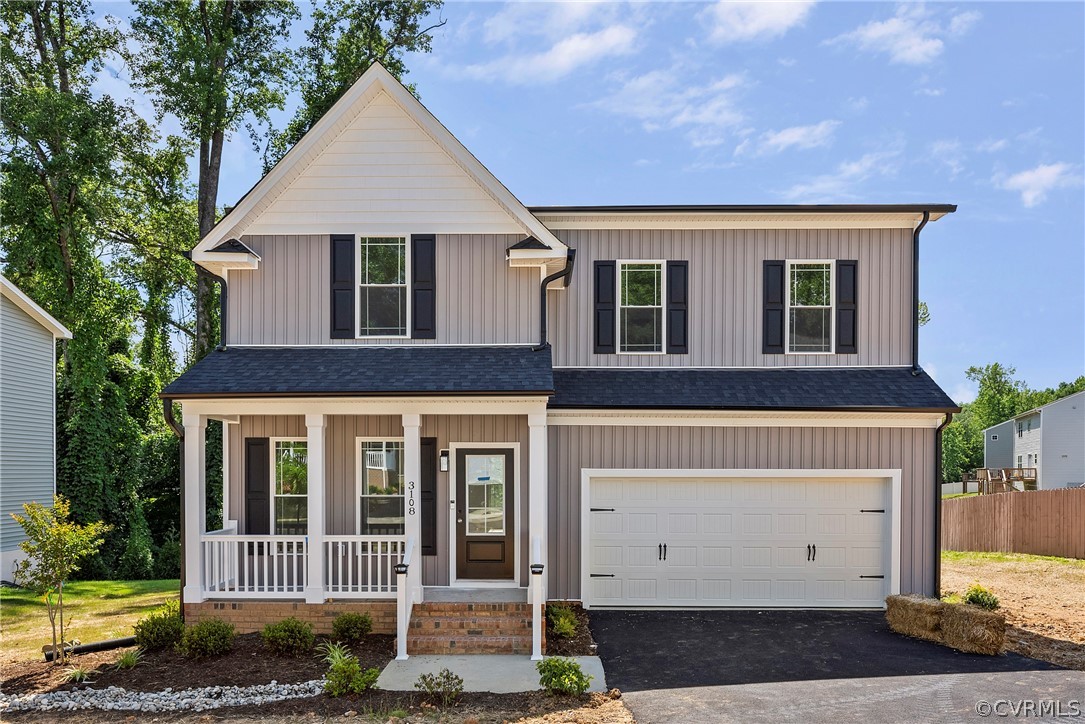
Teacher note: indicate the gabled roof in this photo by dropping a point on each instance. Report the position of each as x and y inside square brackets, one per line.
[374, 80]
[357, 371]
[25, 303]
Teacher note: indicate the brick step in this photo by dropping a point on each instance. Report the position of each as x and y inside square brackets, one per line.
[472, 609]
[469, 645]
[447, 631]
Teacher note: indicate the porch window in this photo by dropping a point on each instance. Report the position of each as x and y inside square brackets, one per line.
[810, 307]
[382, 296]
[291, 489]
[640, 316]
[380, 487]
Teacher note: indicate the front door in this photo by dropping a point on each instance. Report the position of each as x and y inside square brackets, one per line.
[485, 519]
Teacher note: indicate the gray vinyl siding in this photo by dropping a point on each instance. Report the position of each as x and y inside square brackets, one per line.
[573, 448]
[725, 296]
[480, 300]
[1062, 457]
[1028, 441]
[341, 461]
[998, 453]
[27, 374]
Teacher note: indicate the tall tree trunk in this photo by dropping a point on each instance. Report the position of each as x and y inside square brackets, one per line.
[207, 196]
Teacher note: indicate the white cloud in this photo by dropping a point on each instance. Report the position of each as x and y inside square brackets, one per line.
[818, 134]
[564, 57]
[660, 100]
[912, 36]
[859, 104]
[949, 153]
[963, 392]
[550, 20]
[731, 22]
[931, 92]
[839, 184]
[992, 145]
[1035, 183]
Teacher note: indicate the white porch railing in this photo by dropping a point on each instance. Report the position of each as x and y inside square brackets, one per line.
[256, 566]
[361, 566]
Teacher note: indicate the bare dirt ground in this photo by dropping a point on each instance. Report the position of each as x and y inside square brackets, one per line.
[1043, 598]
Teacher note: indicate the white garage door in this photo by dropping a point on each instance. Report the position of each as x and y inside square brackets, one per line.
[788, 542]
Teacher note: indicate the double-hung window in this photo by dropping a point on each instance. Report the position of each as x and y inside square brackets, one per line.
[640, 306]
[810, 307]
[380, 487]
[290, 488]
[382, 295]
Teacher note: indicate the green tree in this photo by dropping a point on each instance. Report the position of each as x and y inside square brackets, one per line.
[346, 37]
[54, 548]
[999, 397]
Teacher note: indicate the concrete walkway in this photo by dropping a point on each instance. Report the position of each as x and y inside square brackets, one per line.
[481, 672]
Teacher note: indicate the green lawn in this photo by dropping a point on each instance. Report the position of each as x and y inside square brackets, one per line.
[949, 496]
[978, 557]
[95, 610]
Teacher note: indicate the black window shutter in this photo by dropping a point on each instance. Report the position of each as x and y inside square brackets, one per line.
[677, 307]
[605, 303]
[257, 486]
[343, 326]
[847, 306]
[428, 496]
[772, 333]
[423, 286]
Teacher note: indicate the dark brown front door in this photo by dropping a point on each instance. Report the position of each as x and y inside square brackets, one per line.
[485, 518]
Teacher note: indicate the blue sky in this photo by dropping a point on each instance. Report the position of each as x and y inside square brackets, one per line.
[982, 105]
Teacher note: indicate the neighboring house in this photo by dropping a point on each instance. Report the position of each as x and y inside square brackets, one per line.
[27, 413]
[1049, 438]
[664, 406]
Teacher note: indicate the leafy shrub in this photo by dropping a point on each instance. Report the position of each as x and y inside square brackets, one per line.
[562, 676]
[977, 595]
[444, 685]
[346, 676]
[562, 620]
[333, 652]
[351, 627]
[129, 659]
[167, 559]
[210, 637]
[78, 675]
[162, 629]
[137, 561]
[289, 637]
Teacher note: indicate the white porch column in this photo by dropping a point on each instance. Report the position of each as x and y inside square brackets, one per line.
[537, 458]
[314, 546]
[412, 474]
[195, 502]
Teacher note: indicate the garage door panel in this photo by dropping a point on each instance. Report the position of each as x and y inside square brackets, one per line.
[738, 542]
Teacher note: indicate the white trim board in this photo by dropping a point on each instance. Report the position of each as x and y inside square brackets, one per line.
[744, 418]
[455, 582]
[892, 475]
[562, 221]
[19, 298]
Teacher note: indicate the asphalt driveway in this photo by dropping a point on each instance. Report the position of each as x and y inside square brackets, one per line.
[832, 666]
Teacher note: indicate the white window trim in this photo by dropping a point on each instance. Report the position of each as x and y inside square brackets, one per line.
[358, 285]
[272, 441]
[619, 263]
[832, 304]
[359, 466]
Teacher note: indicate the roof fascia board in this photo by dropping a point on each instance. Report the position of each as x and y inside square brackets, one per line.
[563, 222]
[745, 418]
[379, 78]
[19, 298]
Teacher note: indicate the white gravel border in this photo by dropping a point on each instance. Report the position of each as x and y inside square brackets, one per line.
[114, 698]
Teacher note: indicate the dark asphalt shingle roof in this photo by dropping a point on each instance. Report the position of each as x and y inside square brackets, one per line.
[361, 370]
[529, 243]
[233, 246]
[839, 388]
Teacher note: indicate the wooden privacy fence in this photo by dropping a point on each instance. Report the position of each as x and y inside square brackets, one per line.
[1041, 522]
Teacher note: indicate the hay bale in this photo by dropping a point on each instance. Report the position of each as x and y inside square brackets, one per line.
[915, 616]
[973, 630]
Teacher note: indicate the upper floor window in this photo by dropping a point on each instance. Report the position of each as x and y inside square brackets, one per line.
[380, 487]
[382, 296]
[810, 306]
[290, 487]
[640, 306]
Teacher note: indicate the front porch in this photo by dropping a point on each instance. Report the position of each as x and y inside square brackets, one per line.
[351, 504]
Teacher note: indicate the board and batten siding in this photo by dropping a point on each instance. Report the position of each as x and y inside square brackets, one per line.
[573, 448]
[480, 300]
[27, 375]
[725, 293]
[341, 467]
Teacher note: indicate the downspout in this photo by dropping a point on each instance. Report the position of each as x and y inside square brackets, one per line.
[915, 292]
[938, 504]
[570, 259]
[223, 296]
[171, 421]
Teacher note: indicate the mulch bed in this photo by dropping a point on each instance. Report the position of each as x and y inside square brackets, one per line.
[580, 645]
[248, 663]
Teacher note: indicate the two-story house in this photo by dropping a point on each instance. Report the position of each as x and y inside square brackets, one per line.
[433, 393]
[1049, 438]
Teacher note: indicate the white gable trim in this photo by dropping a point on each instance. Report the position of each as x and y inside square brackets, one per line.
[366, 88]
[27, 304]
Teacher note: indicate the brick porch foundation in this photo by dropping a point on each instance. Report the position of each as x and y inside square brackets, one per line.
[252, 616]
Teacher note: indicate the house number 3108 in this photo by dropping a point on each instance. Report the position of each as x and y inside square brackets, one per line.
[410, 498]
